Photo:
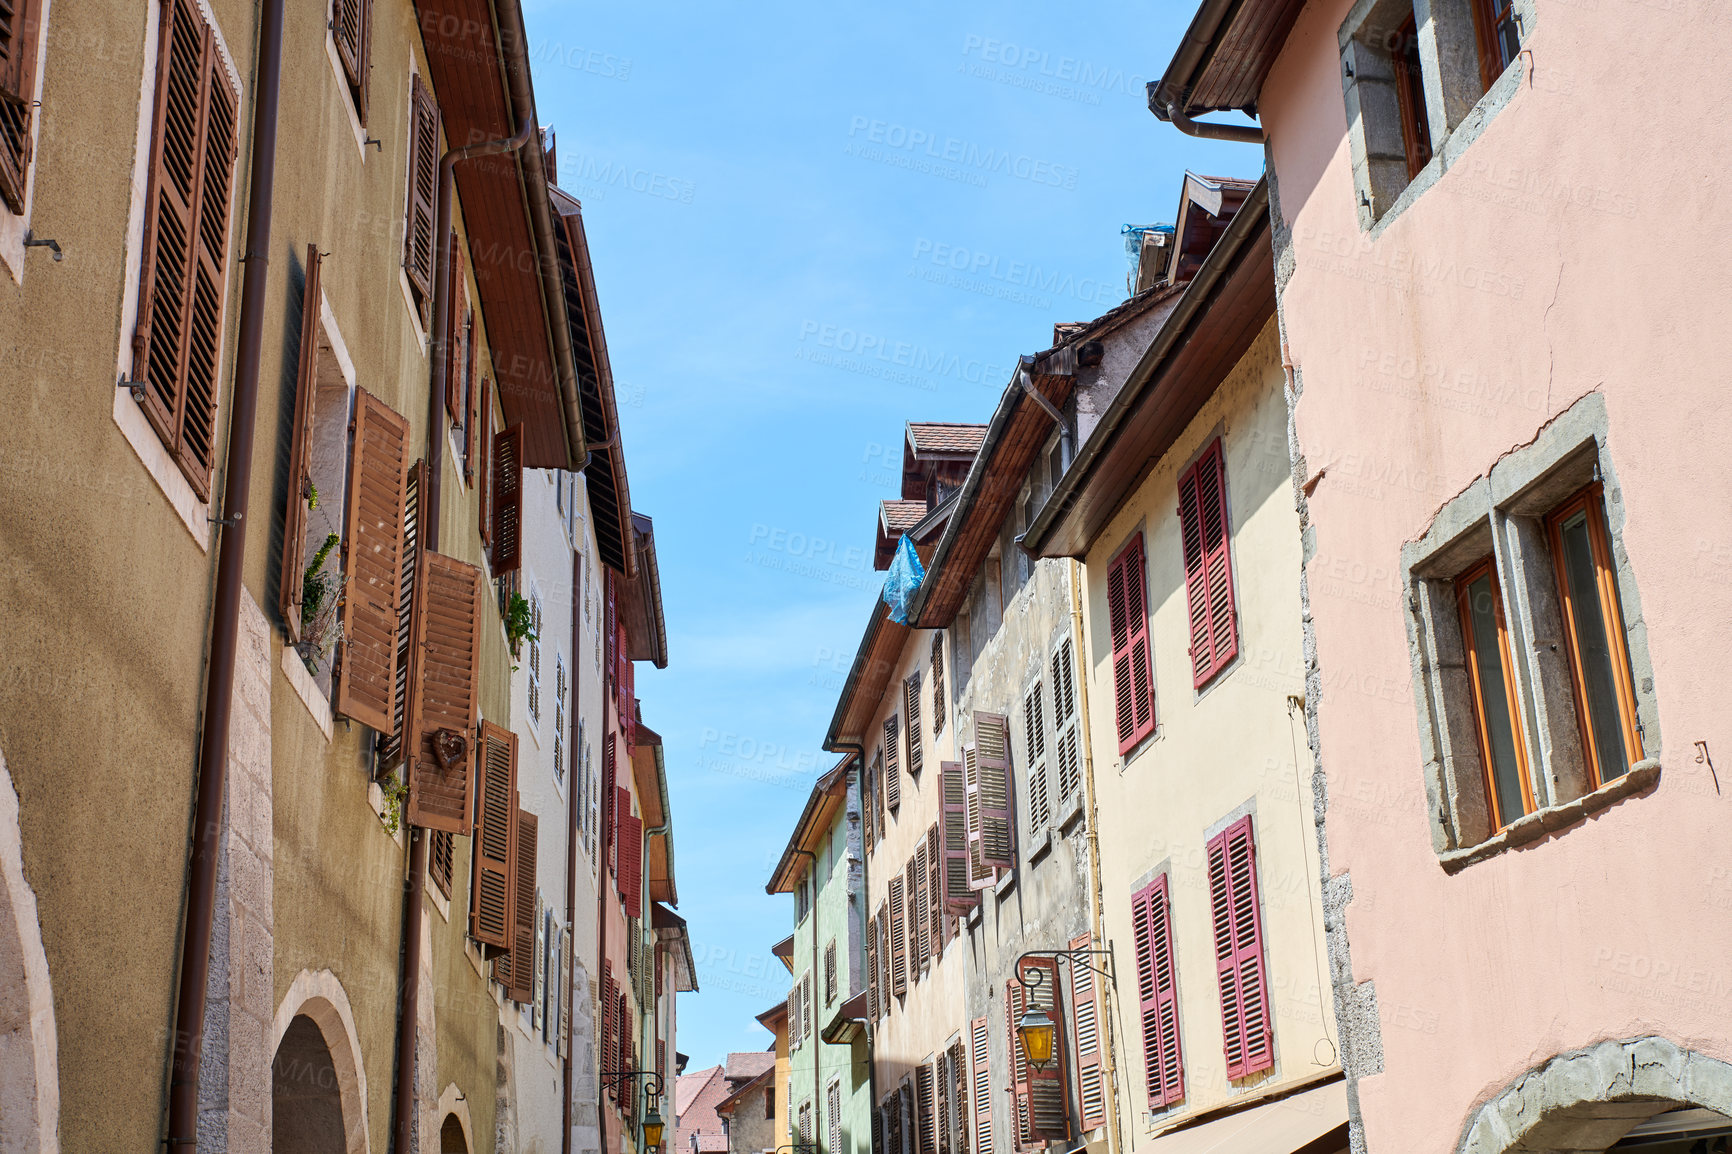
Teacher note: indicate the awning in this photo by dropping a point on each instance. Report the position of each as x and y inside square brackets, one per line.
[1283, 1126]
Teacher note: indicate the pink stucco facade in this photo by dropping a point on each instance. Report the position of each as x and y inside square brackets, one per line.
[1576, 245]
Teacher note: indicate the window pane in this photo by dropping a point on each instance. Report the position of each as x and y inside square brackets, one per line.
[1494, 704]
[1599, 676]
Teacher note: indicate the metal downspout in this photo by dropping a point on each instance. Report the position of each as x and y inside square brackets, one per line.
[1209, 130]
[818, 1039]
[207, 813]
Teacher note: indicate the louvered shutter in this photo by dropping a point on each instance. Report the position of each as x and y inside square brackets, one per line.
[935, 916]
[440, 851]
[833, 1108]
[892, 761]
[878, 1137]
[1064, 723]
[873, 993]
[1157, 996]
[565, 991]
[916, 739]
[924, 1114]
[391, 749]
[982, 1085]
[472, 396]
[829, 973]
[292, 576]
[997, 812]
[423, 189]
[20, 33]
[631, 864]
[798, 1034]
[1086, 1018]
[806, 1005]
[1204, 527]
[484, 469]
[366, 671]
[938, 709]
[898, 938]
[1127, 614]
[941, 1074]
[1240, 971]
[507, 497]
[916, 915]
[627, 696]
[980, 875]
[492, 900]
[958, 895]
[868, 822]
[880, 787]
[609, 1005]
[184, 262]
[1034, 728]
[1048, 1118]
[451, 340]
[1014, 1003]
[444, 701]
[886, 985]
[352, 29]
[523, 953]
[621, 810]
[959, 1096]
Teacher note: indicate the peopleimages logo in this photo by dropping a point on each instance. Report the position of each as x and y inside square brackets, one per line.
[1021, 274]
[971, 159]
[869, 347]
[1067, 76]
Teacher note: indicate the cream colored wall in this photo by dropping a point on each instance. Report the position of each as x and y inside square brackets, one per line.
[1214, 753]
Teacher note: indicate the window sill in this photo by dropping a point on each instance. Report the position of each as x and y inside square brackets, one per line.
[376, 799]
[137, 429]
[1005, 885]
[1554, 819]
[307, 689]
[1069, 820]
[440, 901]
[1040, 847]
[344, 95]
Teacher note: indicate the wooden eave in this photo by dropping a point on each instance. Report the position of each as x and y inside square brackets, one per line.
[646, 631]
[1225, 56]
[649, 775]
[1206, 334]
[875, 662]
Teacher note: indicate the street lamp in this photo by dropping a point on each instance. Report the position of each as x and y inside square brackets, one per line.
[1035, 1032]
[1034, 1029]
[653, 1126]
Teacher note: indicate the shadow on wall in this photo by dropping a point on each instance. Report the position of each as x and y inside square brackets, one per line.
[306, 1106]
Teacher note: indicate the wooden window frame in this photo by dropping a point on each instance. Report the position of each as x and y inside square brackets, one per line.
[1487, 16]
[1488, 566]
[17, 104]
[1410, 97]
[1590, 499]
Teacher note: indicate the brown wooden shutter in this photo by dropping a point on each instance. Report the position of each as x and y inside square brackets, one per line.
[605, 1035]
[20, 32]
[982, 1086]
[917, 906]
[938, 709]
[608, 777]
[872, 992]
[352, 29]
[372, 564]
[293, 576]
[423, 189]
[924, 1114]
[959, 896]
[941, 1116]
[631, 864]
[471, 396]
[507, 497]
[1085, 1020]
[484, 468]
[451, 340]
[184, 260]
[935, 918]
[1015, 996]
[997, 813]
[916, 739]
[440, 852]
[492, 900]
[898, 937]
[444, 699]
[892, 764]
[391, 750]
[522, 985]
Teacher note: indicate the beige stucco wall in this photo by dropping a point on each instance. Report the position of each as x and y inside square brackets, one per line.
[1214, 753]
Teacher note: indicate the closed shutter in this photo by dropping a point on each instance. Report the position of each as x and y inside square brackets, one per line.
[507, 497]
[830, 973]
[1034, 726]
[1048, 1118]
[184, 259]
[997, 815]
[941, 1116]
[492, 901]
[935, 915]
[898, 938]
[833, 1109]
[440, 851]
[1014, 995]
[391, 749]
[444, 700]
[794, 1032]
[366, 671]
[959, 1096]
[1064, 723]
[1239, 967]
[878, 1138]
[1086, 1018]
[916, 891]
[924, 1114]
[892, 762]
[423, 189]
[1208, 564]
[1158, 996]
[352, 29]
[1127, 614]
[806, 1005]
[916, 739]
[484, 471]
[885, 983]
[20, 32]
[982, 1084]
[293, 575]
[872, 985]
[565, 994]
[958, 895]
[456, 329]
[472, 398]
[938, 703]
[631, 864]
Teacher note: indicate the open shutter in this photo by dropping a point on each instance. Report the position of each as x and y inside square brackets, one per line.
[423, 188]
[373, 565]
[1034, 726]
[1085, 1013]
[631, 864]
[472, 397]
[959, 896]
[1127, 614]
[935, 916]
[959, 1095]
[451, 340]
[1157, 996]
[293, 576]
[916, 892]
[898, 938]
[872, 992]
[885, 985]
[982, 1085]
[20, 34]
[1208, 566]
[443, 701]
[484, 468]
[924, 1114]
[1048, 1119]
[980, 875]
[916, 739]
[1064, 723]
[893, 760]
[184, 261]
[997, 815]
[1240, 971]
[523, 953]
[938, 710]
[391, 749]
[492, 901]
[507, 497]
[608, 772]
[1014, 1003]
[352, 29]
[441, 850]
[833, 1110]
[945, 1111]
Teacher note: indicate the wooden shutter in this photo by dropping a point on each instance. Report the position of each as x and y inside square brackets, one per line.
[1239, 967]
[472, 397]
[1064, 723]
[878, 1137]
[916, 893]
[982, 1071]
[1048, 1120]
[352, 29]
[523, 956]
[868, 827]
[1085, 1032]
[924, 1114]
[423, 189]
[872, 991]
[631, 864]
[605, 1038]
[391, 749]
[885, 984]
[492, 900]
[440, 851]
[916, 739]
[959, 1096]
[484, 468]
[1157, 996]
[565, 995]
[959, 896]
[444, 699]
[997, 815]
[880, 788]
[20, 34]
[833, 1107]
[184, 260]
[507, 497]
[980, 875]
[1014, 1002]
[1208, 564]
[608, 771]
[830, 972]
[892, 760]
[898, 937]
[1034, 727]
[366, 671]
[451, 340]
[941, 1117]
[293, 575]
[934, 893]
[1127, 613]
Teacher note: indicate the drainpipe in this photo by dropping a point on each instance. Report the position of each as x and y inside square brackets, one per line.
[1095, 892]
[817, 1075]
[1024, 380]
[403, 1101]
[1206, 129]
[225, 615]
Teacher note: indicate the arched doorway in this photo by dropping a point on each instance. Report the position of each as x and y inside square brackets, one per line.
[306, 1104]
[451, 1136]
[29, 1060]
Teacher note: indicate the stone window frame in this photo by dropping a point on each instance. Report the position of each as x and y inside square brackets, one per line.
[1458, 104]
[1503, 513]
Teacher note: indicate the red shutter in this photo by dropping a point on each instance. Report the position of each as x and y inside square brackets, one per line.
[20, 34]
[898, 938]
[1085, 1017]
[373, 567]
[292, 576]
[423, 190]
[507, 497]
[631, 864]
[1128, 616]
[982, 1086]
[997, 815]
[1048, 1118]
[1158, 996]
[1203, 523]
[1014, 1003]
[607, 787]
[621, 811]
[521, 988]
[492, 900]
[959, 895]
[892, 761]
[935, 916]
[1239, 967]
[916, 739]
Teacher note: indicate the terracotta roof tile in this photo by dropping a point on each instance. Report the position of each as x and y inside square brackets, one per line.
[940, 437]
[749, 1064]
[897, 517]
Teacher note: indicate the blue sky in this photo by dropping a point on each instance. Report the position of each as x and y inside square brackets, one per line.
[810, 224]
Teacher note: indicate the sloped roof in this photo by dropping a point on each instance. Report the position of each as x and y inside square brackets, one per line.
[748, 1064]
[897, 517]
[1225, 56]
[944, 437]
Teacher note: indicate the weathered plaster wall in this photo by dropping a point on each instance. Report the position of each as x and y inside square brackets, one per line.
[1515, 283]
[749, 1132]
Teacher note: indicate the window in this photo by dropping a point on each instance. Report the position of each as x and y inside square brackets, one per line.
[1241, 972]
[1064, 724]
[1128, 620]
[830, 973]
[20, 40]
[1410, 97]
[418, 210]
[769, 1101]
[352, 31]
[439, 854]
[1034, 725]
[1487, 650]
[1497, 28]
[1157, 996]
[801, 904]
[1206, 530]
[559, 718]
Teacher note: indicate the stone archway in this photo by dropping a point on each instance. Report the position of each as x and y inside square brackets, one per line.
[29, 1045]
[452, 1139]
[318, 1070]
[1588, 1099]
[454, 1126]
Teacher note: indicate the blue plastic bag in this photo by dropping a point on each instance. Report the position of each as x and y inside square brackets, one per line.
[904, 578]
